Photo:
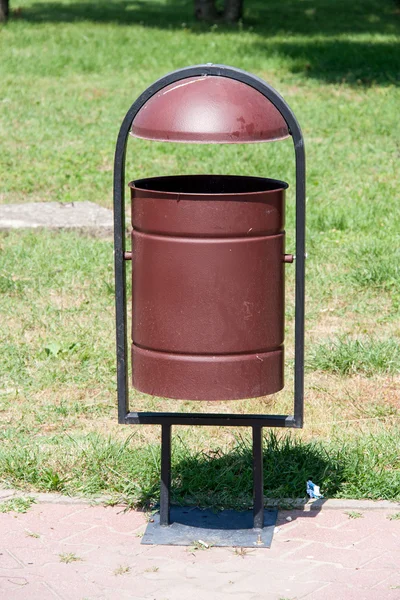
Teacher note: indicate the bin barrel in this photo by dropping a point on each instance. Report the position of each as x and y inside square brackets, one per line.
[208, 256]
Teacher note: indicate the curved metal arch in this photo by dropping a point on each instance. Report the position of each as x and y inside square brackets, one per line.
[119, 227]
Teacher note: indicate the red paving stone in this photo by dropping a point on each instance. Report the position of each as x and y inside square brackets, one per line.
[317, 555]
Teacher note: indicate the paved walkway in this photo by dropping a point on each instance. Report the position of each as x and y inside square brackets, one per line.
[85, 217]
[81, 552]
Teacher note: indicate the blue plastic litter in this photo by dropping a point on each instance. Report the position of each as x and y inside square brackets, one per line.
[313, 490]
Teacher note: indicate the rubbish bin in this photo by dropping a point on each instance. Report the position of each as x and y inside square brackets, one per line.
[208, 286]
[208, 259]
[208, 253]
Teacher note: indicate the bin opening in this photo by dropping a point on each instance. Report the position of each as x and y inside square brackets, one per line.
[209, 184]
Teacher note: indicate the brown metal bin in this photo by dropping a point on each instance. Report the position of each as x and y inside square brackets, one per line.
[208, 257]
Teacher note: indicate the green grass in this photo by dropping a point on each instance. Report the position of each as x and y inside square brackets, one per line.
[69, 72]
[375, 264]
[18, 505]
[219, 477]
[63, 304]
[125, 569]
[353, 514]
[350, 356]
[69, 557]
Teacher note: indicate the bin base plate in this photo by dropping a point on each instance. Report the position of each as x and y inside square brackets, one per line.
[195, 526]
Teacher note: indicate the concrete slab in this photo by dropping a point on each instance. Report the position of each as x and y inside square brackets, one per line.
[224, 528]
[6, 494]
[85, 217]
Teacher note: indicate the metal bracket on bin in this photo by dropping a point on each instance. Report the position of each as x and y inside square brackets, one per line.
[166, 420]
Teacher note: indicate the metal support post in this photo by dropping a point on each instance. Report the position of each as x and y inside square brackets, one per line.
[165, 475]
[258, 479]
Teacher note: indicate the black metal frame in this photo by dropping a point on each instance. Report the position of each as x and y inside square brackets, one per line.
[166, 420]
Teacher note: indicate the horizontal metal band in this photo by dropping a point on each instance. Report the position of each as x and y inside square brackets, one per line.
[226, 420]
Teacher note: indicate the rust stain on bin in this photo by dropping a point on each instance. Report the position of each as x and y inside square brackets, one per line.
[208, 280]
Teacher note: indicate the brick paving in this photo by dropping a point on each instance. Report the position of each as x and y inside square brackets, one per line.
[317, 555]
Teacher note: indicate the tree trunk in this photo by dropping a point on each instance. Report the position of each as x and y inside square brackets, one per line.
[233, 10]
[4, 7]
[204, 10]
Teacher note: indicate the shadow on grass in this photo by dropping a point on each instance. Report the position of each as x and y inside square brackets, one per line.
[365, 467]
[226, 480]
[320, 55]
[341, 61]
[269, 18]
[123, 12]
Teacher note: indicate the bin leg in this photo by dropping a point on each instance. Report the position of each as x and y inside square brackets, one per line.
[165, 475]
[258, 479]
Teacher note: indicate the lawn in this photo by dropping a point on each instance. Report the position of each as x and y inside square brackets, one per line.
[69, 72]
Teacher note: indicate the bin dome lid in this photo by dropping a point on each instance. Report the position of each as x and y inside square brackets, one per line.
[209, 109]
